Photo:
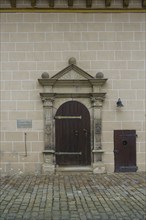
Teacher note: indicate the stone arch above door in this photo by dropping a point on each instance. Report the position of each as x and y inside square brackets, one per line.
[72, 83]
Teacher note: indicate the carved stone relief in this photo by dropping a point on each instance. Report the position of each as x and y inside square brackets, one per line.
[72, 75]
[97, 134]
[48, 123]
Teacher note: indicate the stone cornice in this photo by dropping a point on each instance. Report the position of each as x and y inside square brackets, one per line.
[74, 10]
[93, 96]
[70, 82]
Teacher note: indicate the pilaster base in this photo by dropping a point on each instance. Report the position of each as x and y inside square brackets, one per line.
[48, 168]
[99, 167]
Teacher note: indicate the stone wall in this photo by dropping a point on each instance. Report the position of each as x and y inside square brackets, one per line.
[35, 43]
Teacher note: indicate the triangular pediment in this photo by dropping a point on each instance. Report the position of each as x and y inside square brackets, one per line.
[72, 72]
[70, 76]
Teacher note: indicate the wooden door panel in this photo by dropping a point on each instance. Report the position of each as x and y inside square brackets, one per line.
[125, 150]
[67, 146]
[72, 130]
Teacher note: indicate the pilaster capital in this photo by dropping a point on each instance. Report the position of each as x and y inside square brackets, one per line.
[97, 101]
[48, 101]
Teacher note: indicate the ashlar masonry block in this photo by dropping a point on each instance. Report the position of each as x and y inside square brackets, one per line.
[18, 37]
[32, 17]
[14, 136]
[26, 27]
[9, 157]
[14, 17]
[44, 27]
[32, 157]
[6, 27]
[6, 147]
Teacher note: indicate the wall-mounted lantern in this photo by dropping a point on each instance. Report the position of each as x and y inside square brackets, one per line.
[119, 103]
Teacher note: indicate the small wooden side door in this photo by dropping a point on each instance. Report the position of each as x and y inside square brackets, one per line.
[72, 134]
[125, 150]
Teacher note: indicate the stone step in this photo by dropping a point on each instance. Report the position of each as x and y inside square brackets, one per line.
[74, 169]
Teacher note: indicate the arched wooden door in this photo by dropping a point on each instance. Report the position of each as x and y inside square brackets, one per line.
[72, 131]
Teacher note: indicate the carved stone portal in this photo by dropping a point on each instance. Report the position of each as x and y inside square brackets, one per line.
[61, 87]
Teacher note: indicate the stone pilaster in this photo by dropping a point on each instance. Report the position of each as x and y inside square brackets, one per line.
[97, 107]
[48, 153]
[98, 166]
[48, 123]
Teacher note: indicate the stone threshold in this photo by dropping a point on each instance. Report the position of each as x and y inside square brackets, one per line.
[74, 169]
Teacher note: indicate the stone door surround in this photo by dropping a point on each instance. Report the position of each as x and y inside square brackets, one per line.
[72, 83]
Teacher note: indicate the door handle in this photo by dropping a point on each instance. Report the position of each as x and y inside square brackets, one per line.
[76, 132]
[85, 131]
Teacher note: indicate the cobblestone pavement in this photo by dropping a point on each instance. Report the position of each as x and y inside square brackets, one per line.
[82, 196]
